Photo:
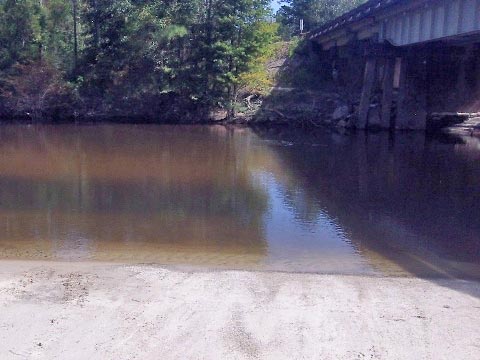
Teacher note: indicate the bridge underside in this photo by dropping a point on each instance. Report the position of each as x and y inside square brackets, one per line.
[408, 59]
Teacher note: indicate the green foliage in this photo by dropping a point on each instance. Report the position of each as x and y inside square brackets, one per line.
[293, 45]
[127, 51]
[57, 33]
[257, 79]
[36, 90]
[20, 32]
[227, 42]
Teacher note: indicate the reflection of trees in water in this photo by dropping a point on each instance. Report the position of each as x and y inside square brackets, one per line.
[175, 185]
[409, 193]
[192, 187]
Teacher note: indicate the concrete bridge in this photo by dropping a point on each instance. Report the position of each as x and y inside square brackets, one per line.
[418, 58]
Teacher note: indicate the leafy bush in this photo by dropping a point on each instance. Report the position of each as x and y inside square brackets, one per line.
[36, 89]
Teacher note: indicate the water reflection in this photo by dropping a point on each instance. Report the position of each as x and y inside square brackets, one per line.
[112, 191]
[237, 198]
[409, 203]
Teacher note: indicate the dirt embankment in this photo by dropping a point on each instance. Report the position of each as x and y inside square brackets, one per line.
[302, 93]
[99, 311]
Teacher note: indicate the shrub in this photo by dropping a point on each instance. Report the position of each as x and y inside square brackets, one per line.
[36, 90]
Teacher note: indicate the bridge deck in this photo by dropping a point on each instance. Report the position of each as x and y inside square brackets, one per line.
[402, 22]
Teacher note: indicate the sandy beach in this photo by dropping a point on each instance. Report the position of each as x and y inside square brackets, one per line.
[106, 311]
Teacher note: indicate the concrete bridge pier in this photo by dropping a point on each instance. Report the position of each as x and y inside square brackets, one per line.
[436, 47]
[369, 78]
[399, 78]
[377, 83]
[477, 73]
[387, 92]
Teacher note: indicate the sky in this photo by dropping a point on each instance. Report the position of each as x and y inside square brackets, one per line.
[275, 4]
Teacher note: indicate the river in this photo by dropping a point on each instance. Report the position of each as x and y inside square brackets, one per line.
[240, 198]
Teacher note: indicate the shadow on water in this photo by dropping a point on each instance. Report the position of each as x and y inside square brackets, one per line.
[267, 199]
[409, 199]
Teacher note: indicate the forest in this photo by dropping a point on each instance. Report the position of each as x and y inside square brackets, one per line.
[76, 59]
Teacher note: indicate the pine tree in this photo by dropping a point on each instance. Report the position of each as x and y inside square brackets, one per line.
[125, 53]
[20, 32]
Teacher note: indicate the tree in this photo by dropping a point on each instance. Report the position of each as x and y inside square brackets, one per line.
[34, 89]
[229, 38]
[123, 55]
[58, 34]
[258, 80]
[20, 32]
[129, 49]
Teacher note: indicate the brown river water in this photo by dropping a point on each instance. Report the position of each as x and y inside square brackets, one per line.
[236, 198]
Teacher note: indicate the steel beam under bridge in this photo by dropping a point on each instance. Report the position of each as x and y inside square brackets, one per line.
[402, 22]
[433, 20]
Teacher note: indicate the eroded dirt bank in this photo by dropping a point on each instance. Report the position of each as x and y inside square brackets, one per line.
[100, 311]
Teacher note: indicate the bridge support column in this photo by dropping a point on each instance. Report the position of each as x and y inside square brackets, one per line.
[412, 99]
[463, 88]
[387, 96]
[368, 84]
[477, 77]
[477, 72]
[402, 116]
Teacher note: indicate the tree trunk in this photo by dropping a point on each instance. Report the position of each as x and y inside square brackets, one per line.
[75, 36]
[208, 60]
[96, 31]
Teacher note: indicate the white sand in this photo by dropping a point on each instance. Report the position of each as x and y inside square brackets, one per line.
[100, 311]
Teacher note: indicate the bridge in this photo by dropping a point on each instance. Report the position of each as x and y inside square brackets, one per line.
[419, 57]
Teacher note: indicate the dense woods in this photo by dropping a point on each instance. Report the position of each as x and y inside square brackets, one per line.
[112, 56]
[135, 58]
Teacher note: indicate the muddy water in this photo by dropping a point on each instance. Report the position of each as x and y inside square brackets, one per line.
[241, 199]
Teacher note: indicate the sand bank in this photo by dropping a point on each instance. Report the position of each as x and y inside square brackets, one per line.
[106, 311]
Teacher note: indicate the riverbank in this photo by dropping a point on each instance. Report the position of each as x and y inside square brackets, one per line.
[285, 108]
[105, 311]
